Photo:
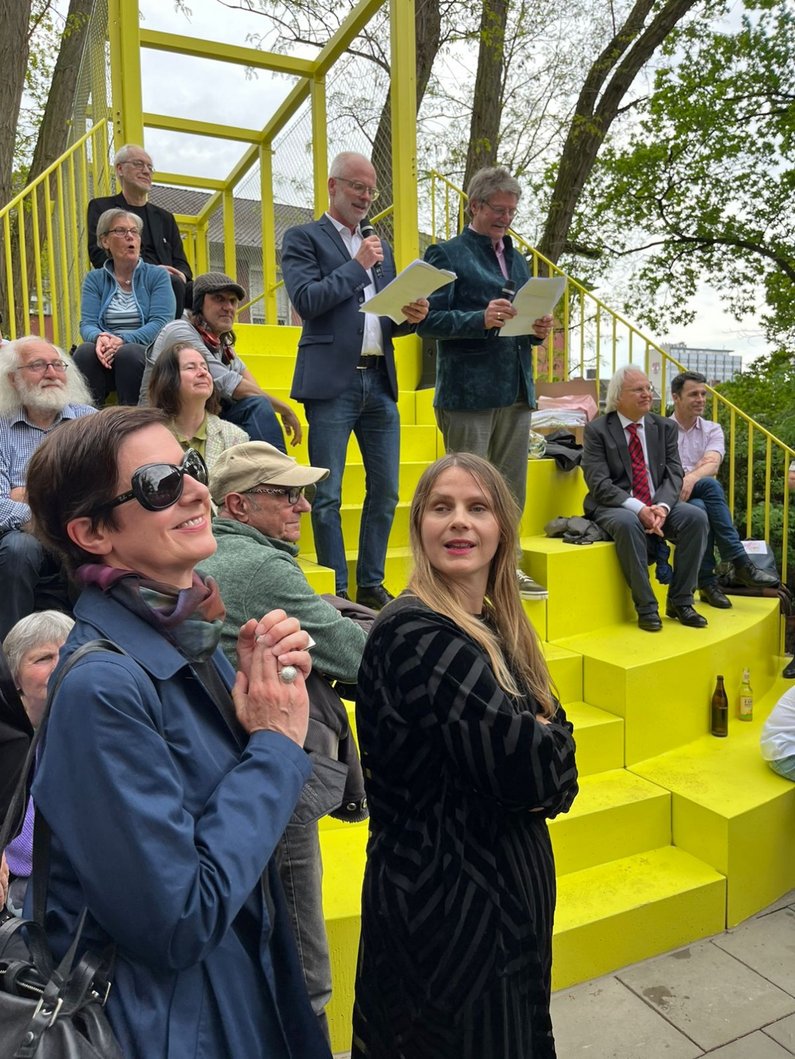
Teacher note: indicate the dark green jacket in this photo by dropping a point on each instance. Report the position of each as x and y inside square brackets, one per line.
[474, 369]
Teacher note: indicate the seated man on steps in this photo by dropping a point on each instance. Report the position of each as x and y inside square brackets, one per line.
[701, 449]
[634, 478]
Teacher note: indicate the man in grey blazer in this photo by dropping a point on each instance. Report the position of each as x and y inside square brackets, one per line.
[634, 478]
[345, 372]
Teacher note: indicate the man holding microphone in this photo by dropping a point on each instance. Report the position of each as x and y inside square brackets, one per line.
[484, 382]
[345, 372]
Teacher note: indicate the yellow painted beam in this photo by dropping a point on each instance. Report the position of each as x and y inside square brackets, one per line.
[127, 94]
[227, 53]
[404, 131]
[201, 128]
[230, 246]
[183, 180]
[269, 274]
[319, 144]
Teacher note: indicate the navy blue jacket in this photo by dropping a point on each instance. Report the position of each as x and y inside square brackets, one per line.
[163, 827]
[326, 286]
[476, 370]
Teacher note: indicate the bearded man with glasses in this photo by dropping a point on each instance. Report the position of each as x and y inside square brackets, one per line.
[39, 390]
[484, 382]
[161, 243]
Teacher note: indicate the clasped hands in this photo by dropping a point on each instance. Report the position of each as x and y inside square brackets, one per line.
[653, 518]
[106, 346]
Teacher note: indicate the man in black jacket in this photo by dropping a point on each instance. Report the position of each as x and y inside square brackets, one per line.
[160, 240]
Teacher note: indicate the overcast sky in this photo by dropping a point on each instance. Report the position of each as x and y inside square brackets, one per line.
[221, 92]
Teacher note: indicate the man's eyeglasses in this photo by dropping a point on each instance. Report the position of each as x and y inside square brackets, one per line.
[39, 367]
[124, 231]
[137, 163]
[502, 211]
[292, 494]
[157, 486]
[360, 188]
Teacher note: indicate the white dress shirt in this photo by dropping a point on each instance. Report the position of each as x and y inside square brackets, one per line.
[372, 339]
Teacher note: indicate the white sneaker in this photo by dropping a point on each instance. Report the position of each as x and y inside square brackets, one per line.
[528, 588]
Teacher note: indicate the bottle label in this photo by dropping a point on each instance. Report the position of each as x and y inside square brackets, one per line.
[746, 711]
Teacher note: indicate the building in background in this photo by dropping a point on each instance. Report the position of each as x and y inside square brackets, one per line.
[719, 365]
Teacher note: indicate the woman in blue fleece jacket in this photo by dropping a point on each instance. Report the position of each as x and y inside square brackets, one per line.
[124, 306]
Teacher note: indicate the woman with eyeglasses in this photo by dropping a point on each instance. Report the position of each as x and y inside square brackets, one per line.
[124, 306]
[167, 778]
[181, 386]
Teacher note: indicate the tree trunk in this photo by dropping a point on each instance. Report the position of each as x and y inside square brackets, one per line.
[597, 106]
[428, 30]
[15, 19]
[484, 129]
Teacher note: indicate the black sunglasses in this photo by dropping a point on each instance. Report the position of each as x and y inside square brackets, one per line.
[157, 486]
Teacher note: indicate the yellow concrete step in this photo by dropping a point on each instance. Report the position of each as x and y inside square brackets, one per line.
[731, 809]
[350, 515]
[629, 909]
[599, 736]
[565, 668]
[550, 492]
[662, 683]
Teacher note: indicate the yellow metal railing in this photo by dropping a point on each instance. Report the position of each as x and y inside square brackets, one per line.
[45, 250]
[589, 334]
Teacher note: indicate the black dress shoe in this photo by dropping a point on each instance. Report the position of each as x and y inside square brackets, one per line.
[712, 594]
[752, 577]
[687, 615]
[788, 672]
[376, 597]
[650, 622]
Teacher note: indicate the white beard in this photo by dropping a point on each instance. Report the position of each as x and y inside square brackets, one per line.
[38, 398]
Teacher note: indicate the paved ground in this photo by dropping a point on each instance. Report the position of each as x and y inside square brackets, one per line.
[731, 997]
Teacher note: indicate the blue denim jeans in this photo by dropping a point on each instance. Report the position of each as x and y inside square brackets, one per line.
[256, 416]
[368, 409]
[785, 767]
[709, 496]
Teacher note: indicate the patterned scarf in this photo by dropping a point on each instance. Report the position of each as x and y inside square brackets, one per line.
[189, 618]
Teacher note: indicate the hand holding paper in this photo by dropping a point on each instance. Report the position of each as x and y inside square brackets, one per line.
[416, 281]
[537, 298]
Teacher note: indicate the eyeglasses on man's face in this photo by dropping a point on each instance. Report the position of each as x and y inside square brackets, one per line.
[124, 231]
[39, 367]
[291, 494]
[359, 188]
[502, 211]
[157, 486]
[140, 165]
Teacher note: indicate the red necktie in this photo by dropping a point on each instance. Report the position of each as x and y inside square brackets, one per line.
[640, 476]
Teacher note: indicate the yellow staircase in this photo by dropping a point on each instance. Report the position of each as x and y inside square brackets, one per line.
[675, 834]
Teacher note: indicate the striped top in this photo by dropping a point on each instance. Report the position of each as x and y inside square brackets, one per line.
[122, 312]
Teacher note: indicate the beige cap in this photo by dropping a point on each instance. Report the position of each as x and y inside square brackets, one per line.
[257, 463]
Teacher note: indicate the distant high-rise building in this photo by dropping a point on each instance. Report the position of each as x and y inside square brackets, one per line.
[719, 365]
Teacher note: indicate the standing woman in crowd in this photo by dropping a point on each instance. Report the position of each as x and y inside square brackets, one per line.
[124, 306]
[182, 387]
[166, 778]
[466, 754]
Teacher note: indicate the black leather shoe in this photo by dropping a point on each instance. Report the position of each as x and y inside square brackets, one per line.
[788, 672]
[752, 577]
[687, 615]
[712, 594]
[650, 622]
[342, 594]
[376, 597]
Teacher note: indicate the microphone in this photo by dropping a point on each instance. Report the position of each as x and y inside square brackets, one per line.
[367, 230]
[508, 291]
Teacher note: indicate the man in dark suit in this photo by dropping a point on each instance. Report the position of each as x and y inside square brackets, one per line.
[345, 373]
[634, 477]
[161, 243]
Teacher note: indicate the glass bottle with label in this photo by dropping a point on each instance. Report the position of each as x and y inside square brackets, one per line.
[720, 710]
[745, 706]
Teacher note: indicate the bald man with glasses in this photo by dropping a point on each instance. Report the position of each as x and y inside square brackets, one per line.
[161, 243]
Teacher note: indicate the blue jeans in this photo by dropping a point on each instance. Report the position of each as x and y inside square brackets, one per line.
[256, 416]
[709, 496]
[785, 767]
[368, 409]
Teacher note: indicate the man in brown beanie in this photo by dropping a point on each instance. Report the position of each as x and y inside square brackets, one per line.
[208, 329]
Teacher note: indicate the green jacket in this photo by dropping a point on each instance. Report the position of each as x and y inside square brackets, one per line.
[256, 574]
[476, 370]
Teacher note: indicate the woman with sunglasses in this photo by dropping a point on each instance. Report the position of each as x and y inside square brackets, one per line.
[124, 306]
[181, 386]
[166, 778]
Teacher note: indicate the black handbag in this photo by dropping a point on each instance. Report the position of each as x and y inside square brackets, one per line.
[50, 1011]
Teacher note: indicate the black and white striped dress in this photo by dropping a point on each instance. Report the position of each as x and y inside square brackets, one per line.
[459, 889]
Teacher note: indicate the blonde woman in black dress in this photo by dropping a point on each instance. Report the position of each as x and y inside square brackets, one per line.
[467, 754]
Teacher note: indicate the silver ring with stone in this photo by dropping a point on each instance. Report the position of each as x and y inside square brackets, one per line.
[287, 674]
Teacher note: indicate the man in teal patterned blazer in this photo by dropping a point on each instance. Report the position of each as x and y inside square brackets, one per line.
[484, 382]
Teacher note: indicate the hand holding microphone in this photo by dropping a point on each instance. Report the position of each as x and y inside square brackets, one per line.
[370, 254]
[500, 309]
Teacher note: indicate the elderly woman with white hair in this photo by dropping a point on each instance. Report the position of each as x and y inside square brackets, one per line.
[125, 304]
[31, 649]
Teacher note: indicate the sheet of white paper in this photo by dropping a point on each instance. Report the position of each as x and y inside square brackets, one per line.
[417, 280]
[538, 297]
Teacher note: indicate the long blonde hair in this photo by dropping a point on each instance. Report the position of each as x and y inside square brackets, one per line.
[513, 650]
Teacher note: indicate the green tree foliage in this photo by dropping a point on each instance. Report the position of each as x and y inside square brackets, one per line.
[703, 186]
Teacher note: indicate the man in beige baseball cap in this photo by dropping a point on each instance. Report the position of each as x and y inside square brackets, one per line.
[261, 494]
